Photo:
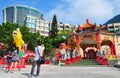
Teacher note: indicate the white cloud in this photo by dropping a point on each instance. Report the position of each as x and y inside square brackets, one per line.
[76, 11]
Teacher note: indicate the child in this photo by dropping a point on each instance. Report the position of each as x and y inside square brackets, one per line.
[9, 57]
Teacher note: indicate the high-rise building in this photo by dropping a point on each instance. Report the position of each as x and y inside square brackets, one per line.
[18, 13]
[26, 16]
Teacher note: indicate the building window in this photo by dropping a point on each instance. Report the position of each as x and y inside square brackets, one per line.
[111, 27]
[33, 25]
[61, 26]
[117, 26]
[38, 30]
[47, 25]
[42, 23]
[46, 28]
[41, 28]
[66, 26]
[37, 23]
[42, 32]
[38, 27]
[31, 20]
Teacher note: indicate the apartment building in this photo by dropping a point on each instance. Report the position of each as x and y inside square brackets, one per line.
[113, 27]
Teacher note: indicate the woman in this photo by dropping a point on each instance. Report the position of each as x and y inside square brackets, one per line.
[15, 59]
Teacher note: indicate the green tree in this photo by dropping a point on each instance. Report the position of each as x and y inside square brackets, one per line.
[61, 36]
[6, 33]
[65, 33]
[29, 38]
[47, 41]
[54, 26]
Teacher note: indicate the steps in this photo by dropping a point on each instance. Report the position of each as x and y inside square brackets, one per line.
[84, 62]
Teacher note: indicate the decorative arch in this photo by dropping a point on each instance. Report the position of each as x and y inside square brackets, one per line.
[108, 43]
[90, 48]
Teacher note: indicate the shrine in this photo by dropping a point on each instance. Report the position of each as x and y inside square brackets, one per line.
[94, 41]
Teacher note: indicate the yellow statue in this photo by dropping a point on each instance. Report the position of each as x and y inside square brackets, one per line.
[17, 37]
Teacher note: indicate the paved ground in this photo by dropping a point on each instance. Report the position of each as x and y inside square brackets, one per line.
[51, 71]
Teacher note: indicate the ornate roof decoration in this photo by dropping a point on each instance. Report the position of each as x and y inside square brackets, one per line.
[87, 25]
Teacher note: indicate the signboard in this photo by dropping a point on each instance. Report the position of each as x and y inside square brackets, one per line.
[106, 37]
[87, 36]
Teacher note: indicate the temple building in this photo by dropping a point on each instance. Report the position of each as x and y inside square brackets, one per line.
[92, 39]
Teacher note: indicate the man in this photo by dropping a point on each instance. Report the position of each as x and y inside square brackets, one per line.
[39, 50]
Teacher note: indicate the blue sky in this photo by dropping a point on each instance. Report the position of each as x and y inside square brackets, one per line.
[71, 11]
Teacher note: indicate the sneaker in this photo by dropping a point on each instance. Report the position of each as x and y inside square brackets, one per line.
[8, 71]
[37, 76]
[30, 75]
[12, 72]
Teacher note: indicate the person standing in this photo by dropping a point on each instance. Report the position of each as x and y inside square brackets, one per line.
[8, 60]
[39, 52]
[15, 59]
[9, 57]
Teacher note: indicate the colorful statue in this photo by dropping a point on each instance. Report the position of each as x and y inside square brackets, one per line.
[61, 54]
[17, 37]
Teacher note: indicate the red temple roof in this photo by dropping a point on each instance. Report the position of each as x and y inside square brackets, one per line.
[87, 25]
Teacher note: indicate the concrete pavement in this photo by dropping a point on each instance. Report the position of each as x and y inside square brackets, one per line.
[52, 71]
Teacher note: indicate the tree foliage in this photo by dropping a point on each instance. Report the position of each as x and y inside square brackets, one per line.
[47, 41]
[61, 37]
[54, 26]
[29, 38]
[6, 33]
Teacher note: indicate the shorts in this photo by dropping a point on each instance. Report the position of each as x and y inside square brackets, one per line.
[15, 61]
[9, 61]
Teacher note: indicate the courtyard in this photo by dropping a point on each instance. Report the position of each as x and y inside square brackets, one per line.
[54, 71]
